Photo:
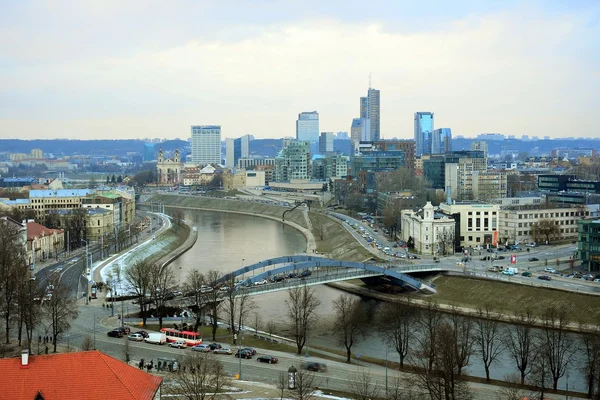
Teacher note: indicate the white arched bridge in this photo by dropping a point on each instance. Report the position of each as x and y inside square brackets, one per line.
[283, 273]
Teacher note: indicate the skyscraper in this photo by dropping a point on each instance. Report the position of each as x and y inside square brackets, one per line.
[373, 113]
[423, 132]
[326, 142]
[206, 144]
[360, 130]
[442, 141]
[364, 107]
[307, 127]
[236, 149]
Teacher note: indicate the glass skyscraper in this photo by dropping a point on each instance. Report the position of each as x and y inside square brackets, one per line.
[236, 149]
[442, 141]
[307, 127]
[423, 132]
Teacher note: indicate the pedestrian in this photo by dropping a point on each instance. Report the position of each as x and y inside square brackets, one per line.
[151, 364]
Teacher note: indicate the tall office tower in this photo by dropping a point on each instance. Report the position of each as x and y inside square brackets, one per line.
[206, 144]
[326, 142]
[369, 109]
[481, 146]
[423, 132]
[307, 127]
[442, 141]
[236, 149]
[364, 107]
[149, 151]
[360, 131]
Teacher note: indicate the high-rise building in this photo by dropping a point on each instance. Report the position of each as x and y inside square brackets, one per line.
[206, 144]
[441, 141]
[369, 109]
[293, 162]
[423, 132]
[342, 135]
[307, 127]
[360, 130]
[148, 151]
[364, 107]
[480, 145]
[236, 149]
[326, 142]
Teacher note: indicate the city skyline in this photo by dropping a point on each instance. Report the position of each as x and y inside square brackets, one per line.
[515, 68]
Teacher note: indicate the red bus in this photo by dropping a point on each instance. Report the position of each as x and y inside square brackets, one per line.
[191, 338]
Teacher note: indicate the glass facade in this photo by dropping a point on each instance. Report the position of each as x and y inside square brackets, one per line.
[588, 243]
[307, 127]
[423, 132]
[441, 141]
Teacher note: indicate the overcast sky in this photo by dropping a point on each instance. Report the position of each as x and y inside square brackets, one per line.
[135, 69]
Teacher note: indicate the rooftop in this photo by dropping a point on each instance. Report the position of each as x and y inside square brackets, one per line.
[36, 230]
[60, 193]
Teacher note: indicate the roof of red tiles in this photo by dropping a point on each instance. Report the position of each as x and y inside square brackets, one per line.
[35, 230]
[86, 375]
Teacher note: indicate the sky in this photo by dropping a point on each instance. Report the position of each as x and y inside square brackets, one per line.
[115, 69]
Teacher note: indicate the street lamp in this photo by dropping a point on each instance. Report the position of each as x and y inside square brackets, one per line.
[240, 355]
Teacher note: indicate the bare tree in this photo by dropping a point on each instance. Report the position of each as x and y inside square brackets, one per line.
[195, 287]
[363, 386]
[488, 338]
[545, 228]
[230, 305]
[302, 305]
[555, 345]
[465, 339]
[246, 305]
[28, 306]
[162, 282]
[271, 328]
[282, 384]
[396, 322]
[60, 309]
[511, 391]
[304, 385]
[349, 323]
[590, 368]
[200, 376]
[213, 299]
[256, 321]
[519, 339]
[540, 374]
[398, 390]
[87, 343]
[137, 277]
[430, 322]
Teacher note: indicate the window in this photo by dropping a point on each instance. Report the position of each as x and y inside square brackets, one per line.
[470, 238]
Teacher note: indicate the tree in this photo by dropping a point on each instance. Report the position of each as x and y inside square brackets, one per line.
[301, 306]
[216, 182]
[391, 216]
[488, 338]
[119, 179]
[464, 339]
[137, 277]
[282, 384]
[87, 343]
[28, 305]
[113, 179]
[304, 386]
[545, 228]
[161, 281]
[60, 310]
[76, 227]
[363, 386]
[430, 322]
[178, 219]
[200, 376]
[213, 299]
[555, 345]
[194, 286]
[520, 342]
[590, 345]
[92, 183]
[446, 242]
[396, 321]
[349, 322]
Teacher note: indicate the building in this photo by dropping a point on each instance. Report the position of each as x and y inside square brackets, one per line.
[360, 131]
[428, 231]
[477, 223]
[17, 182]
[269, 171]
[235, 149]
[37, 154]
[17, 228]
[588, 243]
[43, 243]
[89, 375]
[458, 172]
[480, 145]
[307, 127]
[488, 185]
[168, 170]
[206, 144]
[148, 151]
[406, 146]
[423, 132]
[326, 142]
[43, 201]
[329, 166]
[574, 153]
[293, 162]
[243, 179]
[250, 163]
[441, 141]
[434, 169]
[370, 109]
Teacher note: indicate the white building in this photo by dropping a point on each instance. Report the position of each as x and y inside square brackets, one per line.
[206, 144]
[431, 232]
[478, 222]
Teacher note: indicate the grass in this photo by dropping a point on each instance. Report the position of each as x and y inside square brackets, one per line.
[179, 236]
[509, 298]
[336, 241]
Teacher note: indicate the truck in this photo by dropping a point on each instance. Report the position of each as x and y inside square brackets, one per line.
[156, 338]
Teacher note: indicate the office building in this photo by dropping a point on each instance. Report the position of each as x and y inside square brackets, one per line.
[428, 231]
[206, 144]
[459, 167]
[480, 145]
[370, 109]
[588, 243]
[360, 131]
[236, 149]
[477, 223]
[407, 146]
[423, 132]
[441, 141]
[326, 142]
[252, 163]
[329, 166]
[293, 162]
[148, 151]
[307, 127]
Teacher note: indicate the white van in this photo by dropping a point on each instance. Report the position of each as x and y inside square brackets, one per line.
[156, 338]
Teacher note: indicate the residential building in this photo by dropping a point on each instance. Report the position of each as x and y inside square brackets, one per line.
[441, 141]
[488, 185]
[86, 375]
[458, 172]
[330, 166]
[269, 171]
[206, 144]
[235, 149]
[428, 231]
[43, 243]
[36, 154]
[588, 243]
[43, 201]
[293, 162]
[480, 145]
[250, 163]
[423, 132]
[477, 223]
[326, 142]
[307, 127]
[168, 170]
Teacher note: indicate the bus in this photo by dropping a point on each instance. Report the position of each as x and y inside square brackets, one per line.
[191, 338]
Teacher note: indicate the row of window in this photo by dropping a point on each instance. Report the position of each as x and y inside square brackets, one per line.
[551, 215]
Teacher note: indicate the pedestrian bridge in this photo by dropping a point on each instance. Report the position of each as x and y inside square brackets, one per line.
[276, 271]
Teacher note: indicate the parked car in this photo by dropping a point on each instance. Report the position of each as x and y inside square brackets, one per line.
[292, 275]
[178, 344]
[267, 359]
[526, 274]
[214, 346]
[544, 278]
[534, 259]
[532, 244]
[244, 353]
[316, 367]
[114, 333]
[136, 337]
[261, 282]
[125, 330]
[223, 350]
[201, 347]
[143, 333]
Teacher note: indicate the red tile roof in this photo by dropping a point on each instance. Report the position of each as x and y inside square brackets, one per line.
[86, 375]
[36, 230]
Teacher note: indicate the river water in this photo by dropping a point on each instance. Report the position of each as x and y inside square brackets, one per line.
[227, 242]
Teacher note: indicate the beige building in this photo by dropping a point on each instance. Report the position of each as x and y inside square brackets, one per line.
[478, 222]
[488, 185]
[169, 171]
[42, 242]
[428, 231]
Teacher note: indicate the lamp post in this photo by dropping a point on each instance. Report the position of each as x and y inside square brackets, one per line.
[240, 355]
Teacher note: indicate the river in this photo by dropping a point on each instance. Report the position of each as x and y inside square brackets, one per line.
[227, 241]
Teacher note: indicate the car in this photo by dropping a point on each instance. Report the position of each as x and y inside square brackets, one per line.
[214, 346]
[136, 337]
[544, 278]
[315, 367]
[267, 359]
[532, 244]
[549, 269]
[178, 344]
[500, 257]
[526, 274]
[222, 350]
[201, 347]
[534, 259]
[588, 277]
[484, 258]
[143, 333]
[244, 353]
[124, 329]
[597, 280]
[250, 349]
[305, 273]
[224, 288]
[508, 272]
[292, 275]
[114, 333]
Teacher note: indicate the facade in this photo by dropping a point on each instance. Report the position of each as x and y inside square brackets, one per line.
[423, 132]
[293, 162]
[434, 169]
[43, 243]
[477, 223]
[235, 149]
[441, 141]
[168, 171]
[307, 127]
[269, 171]
[17, 182]
[326, 142]
[148, 151]
[488, 185]
[406, 146]
[376, 161]
[360, 131]
[17, 228]
[372, 113]
[428, 231]
[458, 170]
[206, 144]
[249, 163]
[480, 145]
[588, 243]
[330, 166]
[43, 201]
